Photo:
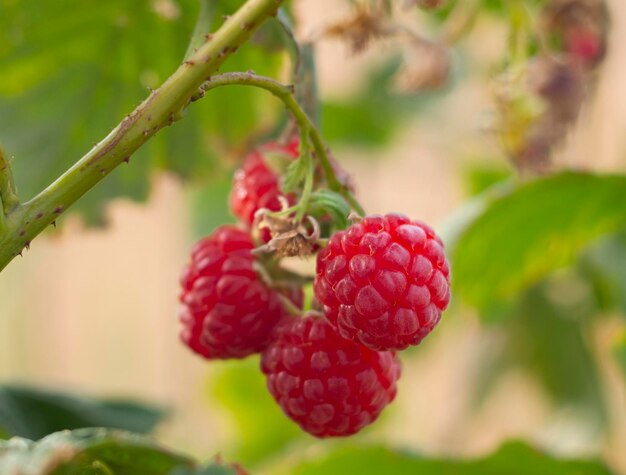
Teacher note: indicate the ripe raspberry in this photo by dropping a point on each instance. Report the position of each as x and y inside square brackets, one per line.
[257, 186]
[384, 281]
[227, 312]
[328, 385]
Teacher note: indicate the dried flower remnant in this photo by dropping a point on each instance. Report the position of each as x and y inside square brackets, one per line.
[426, 67]
[578, 28]
[425, 4]
[540, 104]
[364, 26]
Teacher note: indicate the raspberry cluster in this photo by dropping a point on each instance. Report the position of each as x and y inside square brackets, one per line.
[382, 285]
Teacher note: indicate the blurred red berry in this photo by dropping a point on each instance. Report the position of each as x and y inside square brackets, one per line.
[227, 311]
[257, 186]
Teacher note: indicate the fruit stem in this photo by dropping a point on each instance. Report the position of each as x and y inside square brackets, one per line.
[303, 73]
[286, 94]
[519, 21]
[289, 305]
[163, 107]
[305, 154]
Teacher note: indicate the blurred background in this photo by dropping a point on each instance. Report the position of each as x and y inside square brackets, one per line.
[529, 349]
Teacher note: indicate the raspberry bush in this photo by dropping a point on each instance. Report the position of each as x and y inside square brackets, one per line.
[323, 305]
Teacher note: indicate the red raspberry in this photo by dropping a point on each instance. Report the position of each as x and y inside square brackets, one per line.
[384, 281]
[328, 385]
[257, 186]
[227, 312]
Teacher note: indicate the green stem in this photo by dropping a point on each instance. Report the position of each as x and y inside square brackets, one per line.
[8, 191]
[305, 154]
[286, 94]
[519, 24]
[164, 106]
[303, 59]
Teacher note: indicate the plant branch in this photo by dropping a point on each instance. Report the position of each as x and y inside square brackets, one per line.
[286, 94]
[164, 106]
[8, 191]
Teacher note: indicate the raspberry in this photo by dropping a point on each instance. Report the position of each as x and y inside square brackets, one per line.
[328, 385]
[227, 312]
[257, 186]
[384, 281]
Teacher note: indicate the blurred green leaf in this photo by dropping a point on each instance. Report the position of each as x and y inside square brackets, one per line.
[87, 451]
[209, 205]
[33, 413]
[211, 469]
[261, 427]
[604, 264]
[534, 229]
[546, 335]
[480, 177]
[513, 458]
[372, 115]
[72, 69]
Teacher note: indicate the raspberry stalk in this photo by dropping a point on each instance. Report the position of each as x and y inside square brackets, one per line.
[286, 93]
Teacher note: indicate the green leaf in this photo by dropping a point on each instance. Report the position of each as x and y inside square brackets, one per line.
[513, 458]
[328, 202]
[547, 336]
[531, 231]
[33, 413]
[72, 69]
[83, 451]
[371, 117]
[261, 429]
[604, 265]
[211, 469]
[480, 177]
[294, 175]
